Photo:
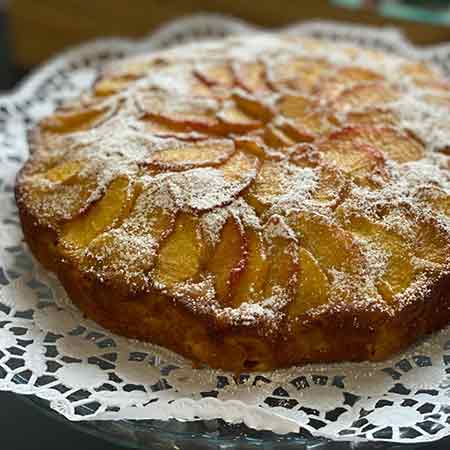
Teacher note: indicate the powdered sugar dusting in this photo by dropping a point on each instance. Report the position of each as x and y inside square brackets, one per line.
[262, 190]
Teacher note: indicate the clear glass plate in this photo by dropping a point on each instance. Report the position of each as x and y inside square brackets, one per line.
[203, 435]
[207, 435]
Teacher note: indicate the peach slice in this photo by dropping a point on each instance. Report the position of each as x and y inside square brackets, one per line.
[397, 145]
[365, 95]
[197, 154]
[398, 273]
[435, 197]
[372, 116]
[431, 243]
[76, 119]
[306, 155]
[127, 253]
[300, 74]
[332, 187]
[310, 127]
[105, 87]
[181, 113]
[253, 277]
[102, 215]
[241, 168]
[282, 261]
[235, 120]
[251, 76]
[63, 173]
[271, 181]
[440, 86]
[355, 74]
[313, 285]
[276, 138]
[295, 106]
[307, 121]
[120, 76]
[165, 130]
[181, 254]
[215, 74]
[331, 245]
[344, 77]
[253, 106]
[255, 146]
[228, 260]
[353, 158]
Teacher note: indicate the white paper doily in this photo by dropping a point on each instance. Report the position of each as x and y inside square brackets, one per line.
[48, 349]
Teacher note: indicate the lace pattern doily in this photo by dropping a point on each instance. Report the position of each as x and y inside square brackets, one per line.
[48, 349]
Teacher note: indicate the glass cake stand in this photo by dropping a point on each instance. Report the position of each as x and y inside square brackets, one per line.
[204, 435]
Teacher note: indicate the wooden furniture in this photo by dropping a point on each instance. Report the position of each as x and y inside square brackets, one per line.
[40, 29]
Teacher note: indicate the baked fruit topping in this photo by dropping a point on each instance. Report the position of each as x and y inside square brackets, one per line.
[258, 203]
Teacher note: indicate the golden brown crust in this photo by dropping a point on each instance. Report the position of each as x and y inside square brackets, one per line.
[298, 221]
[344, 336]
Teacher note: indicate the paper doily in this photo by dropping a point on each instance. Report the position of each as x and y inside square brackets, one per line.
[85, 372]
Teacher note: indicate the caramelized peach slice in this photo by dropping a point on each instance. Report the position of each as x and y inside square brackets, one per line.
[353, 158]
[436, 198]
[160, 129]
[396, 145]
[299, 74]
[180, 113]
[332, 246]
[306, 155]
[271, 181]
[235, 120]
[252, 279]
[431, 243]
[310, 127]
[276, 138]
[282, 255]
[313, 285]
[295, 106]
[372, 116]
[365, 95]
[228, 260]
[197, 154]
[344, 77]
[79, 232]
[215, 74]
[307, 121]
[398, 272]
[253, 106]
[357, 74]
[127, 253]
[64, 172]
[255, 146]
[77, 119]
[181, 254]
[331, 188]
[251, 76]
[118, 77]
[440, 86]
[241, 167]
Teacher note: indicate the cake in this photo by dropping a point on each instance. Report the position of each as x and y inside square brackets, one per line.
[254, 202]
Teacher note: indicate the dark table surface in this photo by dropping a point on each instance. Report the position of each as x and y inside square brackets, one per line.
[23, 426]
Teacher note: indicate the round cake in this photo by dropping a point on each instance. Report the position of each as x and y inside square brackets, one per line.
[251, 203]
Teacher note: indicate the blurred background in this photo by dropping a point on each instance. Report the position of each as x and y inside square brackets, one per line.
[32, 31]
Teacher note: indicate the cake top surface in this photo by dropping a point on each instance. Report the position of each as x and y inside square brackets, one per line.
[253, 178]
